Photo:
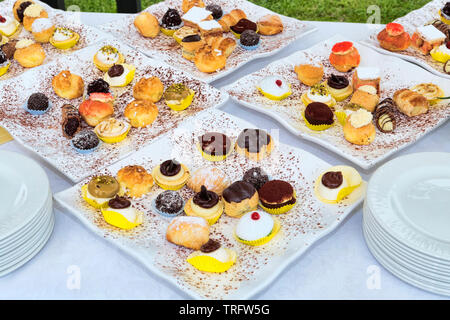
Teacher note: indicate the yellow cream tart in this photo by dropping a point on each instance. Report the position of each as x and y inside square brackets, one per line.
[112, 130]
[106, 57]
[212, 257]
[64, 38]
[318, 93]
[205, 204]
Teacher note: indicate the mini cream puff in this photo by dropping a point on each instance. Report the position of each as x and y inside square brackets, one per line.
[147, 24]
[135, 181]
[31, 13]
[344, 56]
[189, 232]
[64, 38]
[274, 88]
[29, 54]
[120, 213]
[337, 184]
[120, 75]
[68, 85]
[256, 228]
[171, 175]
[94, 112]
[240, 197]
[212, 257]
[206, 204]
[394, 37]
[106, 57]
[318, 93]
[148, 89]
[141, 113]
[100, 190]
[358, 128]
[42, 29]
[309, 74]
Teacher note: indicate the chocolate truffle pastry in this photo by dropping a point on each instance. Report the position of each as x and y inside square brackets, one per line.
[135, 180]
[9, 48]
[249, 39]
[256, 176]
[255, 144]
[98, 86]
[171, 21]
[169, 203]
[277, 197]
[339, 87]
[239, 198]
[384, 116]
[216, 11]
[85, 141]
[205, 204]
[242, 25]
[100, 190]
[214, 146]
[71, 121]
[38, 102]
[171, 175]
[318, 113]
[121, 214]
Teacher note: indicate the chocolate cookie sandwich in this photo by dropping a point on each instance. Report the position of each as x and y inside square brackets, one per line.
[239, 198]
[214, 146]
[206, 204]
[255, 144]
[277, 197]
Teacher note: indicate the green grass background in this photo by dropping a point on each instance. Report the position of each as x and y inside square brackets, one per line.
[322, 10]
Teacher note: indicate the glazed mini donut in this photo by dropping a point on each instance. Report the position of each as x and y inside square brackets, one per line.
[141, 113]
[394, 37]
[68, 85]
[147, 25]
[29, 54]
[189, 232]
[269, 25]
[32, 13]
[135, 180]
[148, 89]
[209, 60]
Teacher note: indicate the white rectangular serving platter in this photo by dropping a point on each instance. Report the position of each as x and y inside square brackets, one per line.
[410, 22]
[166, 48]
[256, 267]
[43, 134]
[395, 74]
[88, 36]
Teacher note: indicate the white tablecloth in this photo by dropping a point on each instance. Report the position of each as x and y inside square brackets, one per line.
[338, 267]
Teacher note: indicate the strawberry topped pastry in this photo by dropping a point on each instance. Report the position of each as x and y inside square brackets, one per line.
[427, 38]
[344, 56]
[394, 37]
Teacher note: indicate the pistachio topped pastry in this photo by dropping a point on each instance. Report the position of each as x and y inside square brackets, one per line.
[106, 57]
[64, 38]
[178, 96]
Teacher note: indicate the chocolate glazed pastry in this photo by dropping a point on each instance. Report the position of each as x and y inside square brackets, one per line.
[238, 191]
[119, 203]
[244, 24]
[9, 48]
[215, 143]
[71, 121]
[443, 27]
[191, 38]
[253, 140]
[384, 116]
[276, 194]
[332, 179]
[210, 246]
[98, 85]
[337, 82]
[170, 168]
[216, 11]
[318, 113]
[206, 199]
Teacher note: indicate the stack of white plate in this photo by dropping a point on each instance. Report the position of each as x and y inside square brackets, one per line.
[407, 219]
[26, 210]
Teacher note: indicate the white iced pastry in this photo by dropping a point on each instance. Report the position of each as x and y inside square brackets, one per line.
[368, 73]
[254, 225]
[196, 15]
[8, 25]
[275, 86]
[331, 193]
[431, 33]
[209, 25]
[62, 34]
[122, 79]
[41, 24]
[130, 213]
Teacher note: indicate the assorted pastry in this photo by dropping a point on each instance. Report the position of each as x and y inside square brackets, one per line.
[203, 31]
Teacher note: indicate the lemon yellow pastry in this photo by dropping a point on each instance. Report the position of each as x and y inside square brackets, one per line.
[100, 190]
[29, 54]
[178, 96]
[339, 87]
[214, 179]
[121, 214]
[441, 53]
[135, 180]
[148, 89]
[336, 184]
[42, 29]
[309, 74]
[214, 146]
[112, 130]
[358, 128]
[256, 228]
[205, 204]
[120, 75]
[64, 38]
[4, 63]
[8, 26]
[444, 13]
[141, 113]
[106, 57]
[274, 88]
[318, 93]
[171, 175]
[430, 91]
[240, 197]
[189, 232]
[31, 13]
[212, 257]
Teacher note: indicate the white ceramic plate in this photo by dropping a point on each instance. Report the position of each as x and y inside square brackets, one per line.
[411, 21]
[409, 197]
[88, 35]
[166, 49]
[256, 268]
[20, 192]
[43, 134]
[395, 74]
